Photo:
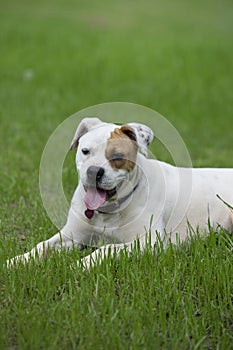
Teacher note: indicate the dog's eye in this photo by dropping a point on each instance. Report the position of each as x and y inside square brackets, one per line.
[117, 160]
[118, 157]
[85, 151]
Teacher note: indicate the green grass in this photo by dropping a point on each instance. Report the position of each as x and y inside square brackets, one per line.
[178, 298]
[58, 57]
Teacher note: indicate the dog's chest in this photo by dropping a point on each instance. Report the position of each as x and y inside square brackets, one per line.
[105, 224]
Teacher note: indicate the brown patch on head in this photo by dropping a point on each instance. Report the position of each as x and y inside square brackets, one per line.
[122, 148]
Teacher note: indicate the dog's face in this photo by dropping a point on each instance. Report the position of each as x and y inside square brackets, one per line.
[106, 157]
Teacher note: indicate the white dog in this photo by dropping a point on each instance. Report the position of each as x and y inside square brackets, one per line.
[122, 195]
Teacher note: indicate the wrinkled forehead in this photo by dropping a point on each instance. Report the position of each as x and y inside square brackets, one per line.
[97, 136]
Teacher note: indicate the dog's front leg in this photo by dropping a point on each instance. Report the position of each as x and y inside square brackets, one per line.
[41, 249]
[103, 252]
[114, 249]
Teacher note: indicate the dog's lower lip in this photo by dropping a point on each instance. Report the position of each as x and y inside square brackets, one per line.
[111, 193]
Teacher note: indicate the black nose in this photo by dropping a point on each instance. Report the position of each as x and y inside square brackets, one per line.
[95, 173]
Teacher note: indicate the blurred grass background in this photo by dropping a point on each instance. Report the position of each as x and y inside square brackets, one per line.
[173, 56]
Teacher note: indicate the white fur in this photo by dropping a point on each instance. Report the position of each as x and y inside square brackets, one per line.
[165, 200]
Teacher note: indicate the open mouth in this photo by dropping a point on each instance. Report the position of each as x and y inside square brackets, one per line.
[96, 196]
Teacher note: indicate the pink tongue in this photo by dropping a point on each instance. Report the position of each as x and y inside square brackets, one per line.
[94, 198]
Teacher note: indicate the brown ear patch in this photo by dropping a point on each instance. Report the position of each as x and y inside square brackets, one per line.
[128, 131]
[121, 150]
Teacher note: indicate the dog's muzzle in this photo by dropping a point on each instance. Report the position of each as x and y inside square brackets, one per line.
[94, 174]
[95, 196]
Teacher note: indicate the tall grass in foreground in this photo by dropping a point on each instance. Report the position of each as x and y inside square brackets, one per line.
[178, 298]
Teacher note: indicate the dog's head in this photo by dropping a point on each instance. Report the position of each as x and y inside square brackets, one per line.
[106, 156]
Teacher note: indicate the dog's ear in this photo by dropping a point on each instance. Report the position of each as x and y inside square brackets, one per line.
[144, 136]
[129, 131]
[85, 125]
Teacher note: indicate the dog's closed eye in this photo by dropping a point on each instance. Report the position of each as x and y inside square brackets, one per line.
[85, 151]
[117, 156]
[117, 160]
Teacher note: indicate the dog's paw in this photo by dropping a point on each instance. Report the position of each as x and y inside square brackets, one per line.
[85, 264]
[11, 262]
[89, 261]
[14, 262]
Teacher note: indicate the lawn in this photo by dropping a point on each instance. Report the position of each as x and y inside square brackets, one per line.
[58, 57]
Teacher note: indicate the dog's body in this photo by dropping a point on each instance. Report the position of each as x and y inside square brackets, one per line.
[122, 195]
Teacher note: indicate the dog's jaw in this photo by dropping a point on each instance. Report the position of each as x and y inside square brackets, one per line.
[114, 198]
[96, 197]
